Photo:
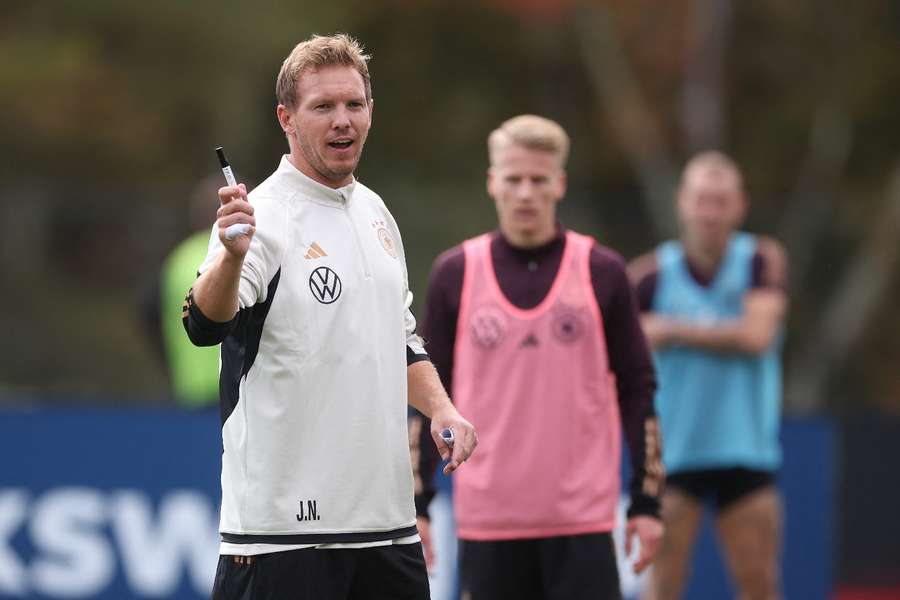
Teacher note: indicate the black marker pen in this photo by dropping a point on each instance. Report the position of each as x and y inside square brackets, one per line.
[232, 231]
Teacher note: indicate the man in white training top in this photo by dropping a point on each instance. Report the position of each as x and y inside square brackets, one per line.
[319, 358]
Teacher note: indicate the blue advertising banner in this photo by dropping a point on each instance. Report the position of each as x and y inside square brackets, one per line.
[806, 481]
[108, 504]
[123, 504]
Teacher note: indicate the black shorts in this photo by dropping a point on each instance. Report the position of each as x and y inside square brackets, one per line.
[559, 568]
[722, 486]
[395, 572]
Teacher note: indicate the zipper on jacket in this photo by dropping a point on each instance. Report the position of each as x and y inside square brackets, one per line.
[362, 255]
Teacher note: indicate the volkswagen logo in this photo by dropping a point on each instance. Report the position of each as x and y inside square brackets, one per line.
[325, 285]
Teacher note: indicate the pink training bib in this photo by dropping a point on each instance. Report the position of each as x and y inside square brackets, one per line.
[537, 386]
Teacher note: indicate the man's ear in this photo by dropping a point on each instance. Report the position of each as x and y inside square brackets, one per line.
[285, 119]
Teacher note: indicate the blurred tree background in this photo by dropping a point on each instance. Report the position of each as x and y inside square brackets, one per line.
[110, 112]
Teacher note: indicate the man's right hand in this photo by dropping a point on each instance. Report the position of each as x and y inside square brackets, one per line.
[424, 527]
[235, 209]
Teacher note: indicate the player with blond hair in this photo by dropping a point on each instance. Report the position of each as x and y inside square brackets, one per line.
[535, 329]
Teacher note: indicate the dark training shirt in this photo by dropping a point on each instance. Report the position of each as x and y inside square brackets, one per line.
[525, 276]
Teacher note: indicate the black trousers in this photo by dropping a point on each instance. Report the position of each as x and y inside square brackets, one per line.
[395, 572]
[578, 567]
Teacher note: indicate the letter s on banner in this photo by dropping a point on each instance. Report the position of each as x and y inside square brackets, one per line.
[76, 560]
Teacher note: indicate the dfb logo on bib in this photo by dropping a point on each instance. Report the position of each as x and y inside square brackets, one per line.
[567, 326]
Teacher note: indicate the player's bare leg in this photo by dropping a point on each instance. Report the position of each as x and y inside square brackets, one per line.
[750, 532]
[681, 515]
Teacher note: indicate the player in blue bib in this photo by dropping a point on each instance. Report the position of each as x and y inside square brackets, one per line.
[713, 305]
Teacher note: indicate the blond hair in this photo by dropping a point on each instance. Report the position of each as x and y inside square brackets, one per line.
[532, 132]
[320, 51]
[717, 163]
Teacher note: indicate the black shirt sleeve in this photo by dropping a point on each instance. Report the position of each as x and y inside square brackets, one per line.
[630, 361]
[439, 330]
[642, 272]
[413, 357]
[201, 330]
[645, 290]
[770, 266]
[442, 311]
[424, 458]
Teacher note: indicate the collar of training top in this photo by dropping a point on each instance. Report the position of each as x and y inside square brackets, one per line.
[312, 187]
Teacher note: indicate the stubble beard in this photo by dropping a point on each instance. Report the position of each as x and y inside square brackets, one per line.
[317, 161]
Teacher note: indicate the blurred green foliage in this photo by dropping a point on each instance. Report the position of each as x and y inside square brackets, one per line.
[110, 111]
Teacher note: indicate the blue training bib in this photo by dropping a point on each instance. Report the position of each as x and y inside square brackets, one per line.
[716, 410]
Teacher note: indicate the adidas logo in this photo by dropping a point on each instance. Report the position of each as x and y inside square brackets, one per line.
[530, 341]
[315, 251]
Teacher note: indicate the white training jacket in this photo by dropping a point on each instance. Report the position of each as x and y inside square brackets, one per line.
[313, 373]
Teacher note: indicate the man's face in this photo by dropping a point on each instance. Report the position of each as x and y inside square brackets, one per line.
[329, 124]
[710, 204]
[526, 185]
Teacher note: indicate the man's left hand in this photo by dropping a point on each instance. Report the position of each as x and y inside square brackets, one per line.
[464, 437]
[649, 531]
